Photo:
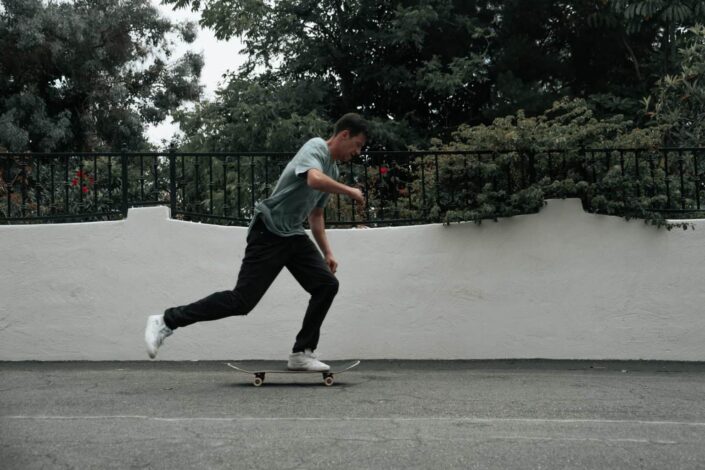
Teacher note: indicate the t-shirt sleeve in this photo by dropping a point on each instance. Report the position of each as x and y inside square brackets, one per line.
[313, 159]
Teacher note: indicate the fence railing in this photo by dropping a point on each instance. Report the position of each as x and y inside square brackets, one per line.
[400, 187]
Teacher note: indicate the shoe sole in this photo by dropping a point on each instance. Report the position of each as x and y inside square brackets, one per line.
[150, 353]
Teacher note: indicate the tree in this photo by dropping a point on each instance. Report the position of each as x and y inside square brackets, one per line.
[679, 99]
[548, 51]
[90, 74]
[421, 64]
[261, 114]
[664, 20]
[421, 68]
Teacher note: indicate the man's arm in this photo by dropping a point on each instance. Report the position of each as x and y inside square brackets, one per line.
[319, 181]
[318, 228]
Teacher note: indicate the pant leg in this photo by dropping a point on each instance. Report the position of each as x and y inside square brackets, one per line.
[311, 271]
[265, 256]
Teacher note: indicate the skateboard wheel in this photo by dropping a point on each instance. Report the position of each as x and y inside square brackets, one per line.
[257, 382]
[328, 381]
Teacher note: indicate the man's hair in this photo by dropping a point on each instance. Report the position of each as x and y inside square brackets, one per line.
[352, 122]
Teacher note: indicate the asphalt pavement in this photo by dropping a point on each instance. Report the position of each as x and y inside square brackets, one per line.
[381, 415]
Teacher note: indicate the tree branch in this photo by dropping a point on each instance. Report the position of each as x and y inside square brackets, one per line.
[633, 58]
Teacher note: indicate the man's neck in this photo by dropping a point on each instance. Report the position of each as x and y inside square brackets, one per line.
[330, 143]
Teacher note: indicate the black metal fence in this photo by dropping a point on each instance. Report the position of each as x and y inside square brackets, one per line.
[400, 187]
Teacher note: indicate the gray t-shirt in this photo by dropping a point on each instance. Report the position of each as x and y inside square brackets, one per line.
[292, 200]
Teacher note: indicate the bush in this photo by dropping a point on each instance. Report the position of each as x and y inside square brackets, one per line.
[518, 162]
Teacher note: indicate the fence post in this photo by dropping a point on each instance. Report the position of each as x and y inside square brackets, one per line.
[8, 186]
[172, 179]
[123, 158]
[582, 152]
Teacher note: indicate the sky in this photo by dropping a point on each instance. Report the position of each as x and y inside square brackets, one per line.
[219, 57]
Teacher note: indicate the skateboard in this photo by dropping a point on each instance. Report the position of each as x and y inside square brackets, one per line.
[328, 376]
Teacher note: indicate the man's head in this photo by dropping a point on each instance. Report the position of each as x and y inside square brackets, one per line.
[349, 136]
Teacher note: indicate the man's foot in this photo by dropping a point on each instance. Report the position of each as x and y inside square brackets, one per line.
[155, 333]
[306, 360]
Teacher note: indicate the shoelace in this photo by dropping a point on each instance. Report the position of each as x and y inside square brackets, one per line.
[163, 333]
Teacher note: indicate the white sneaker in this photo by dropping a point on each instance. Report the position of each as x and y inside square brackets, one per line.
[155, 333]
[306, 361]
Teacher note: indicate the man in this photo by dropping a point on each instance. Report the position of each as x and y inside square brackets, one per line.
[276, 239]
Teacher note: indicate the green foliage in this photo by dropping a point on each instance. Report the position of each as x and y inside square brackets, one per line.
[260, 114]
[421, 65]
[661, 22]
[640, 14]
[88, 75]
[679, 100]
[525, 160]
[429, 66]
[567, 124]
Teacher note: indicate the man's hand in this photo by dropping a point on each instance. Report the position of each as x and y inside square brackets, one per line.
[332, 263]
[357, 195]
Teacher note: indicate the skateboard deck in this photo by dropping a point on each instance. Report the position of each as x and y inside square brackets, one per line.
[328, 376]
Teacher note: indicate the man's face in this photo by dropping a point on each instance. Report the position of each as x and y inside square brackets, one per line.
[350, 147]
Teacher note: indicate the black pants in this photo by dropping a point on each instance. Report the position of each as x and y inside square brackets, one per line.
[265, 256]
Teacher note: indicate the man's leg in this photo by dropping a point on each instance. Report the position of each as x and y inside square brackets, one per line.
[265, 257]
[311, 271]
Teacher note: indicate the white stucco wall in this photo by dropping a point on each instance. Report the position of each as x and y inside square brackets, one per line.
[558, 284]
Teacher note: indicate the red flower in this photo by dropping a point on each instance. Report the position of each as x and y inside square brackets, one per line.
[384, 170]
[79, 180]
